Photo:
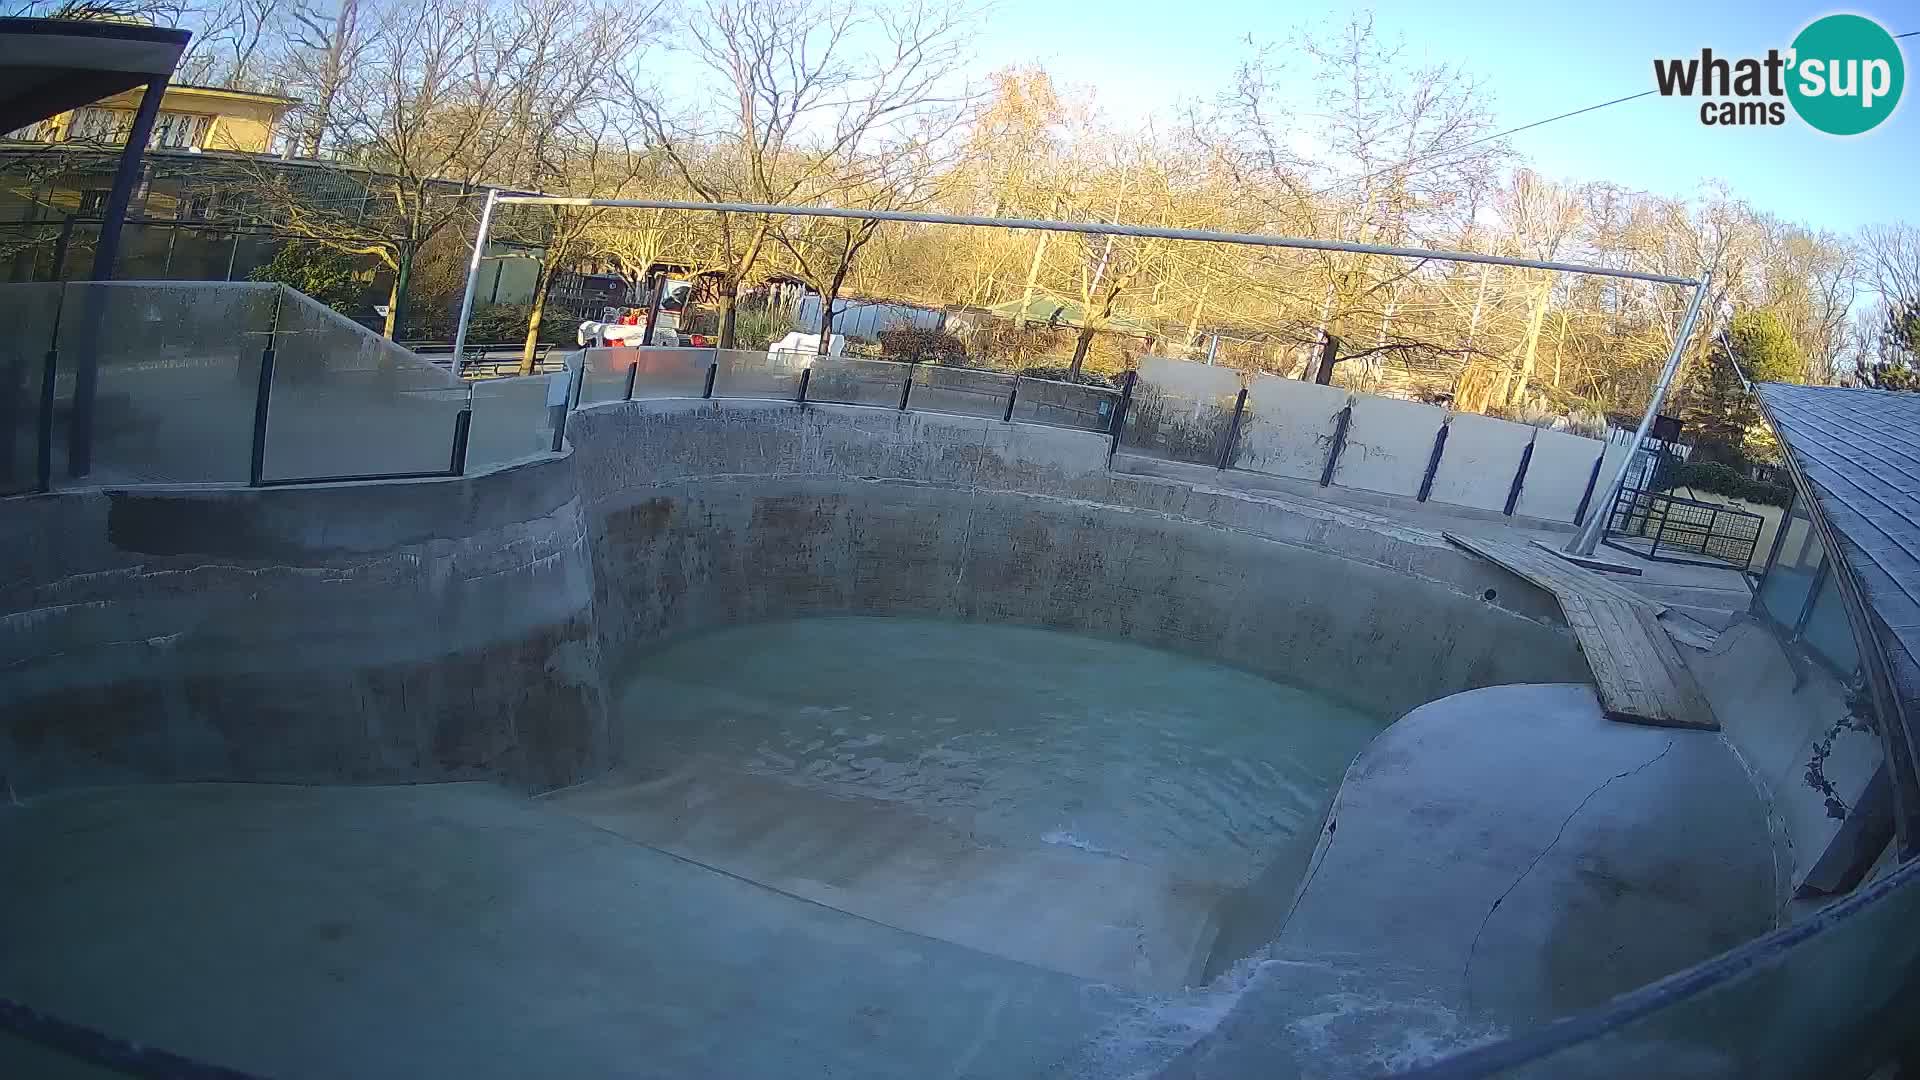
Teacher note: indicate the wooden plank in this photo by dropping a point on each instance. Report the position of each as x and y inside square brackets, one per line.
[1549, 571]
[1638, 673]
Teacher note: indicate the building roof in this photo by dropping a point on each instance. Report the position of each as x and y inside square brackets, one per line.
[1859, 451]
[48, 66]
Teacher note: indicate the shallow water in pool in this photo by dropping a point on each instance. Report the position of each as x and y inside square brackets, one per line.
[1018, 736]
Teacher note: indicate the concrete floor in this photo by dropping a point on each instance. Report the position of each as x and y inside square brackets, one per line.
[457, 930]
[1496, 860]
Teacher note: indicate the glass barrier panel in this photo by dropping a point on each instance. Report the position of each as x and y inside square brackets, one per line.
[314, 433]
[177, 369]
[1829, 996]
[1828, 633]
[1180, 410]
[1068, 405]
[1784, 591]
[146, 253]
[745, 374]
[511, 419]
[960, 391]
[28, 311]
[348, 402]
[657, 373]
[841, 381]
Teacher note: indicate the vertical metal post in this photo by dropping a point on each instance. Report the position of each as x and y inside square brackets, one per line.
[1520, 477]
[1337, 445]
[60, 248]
[633, 371]
[653, 307]
[124, 177]
[1213, 347]
[906, 389]
[1013, 392]
[462, 425]
[1586, 497]
[233, 254]
[1433, 461]
[473, 280]
[48, 371]
[1329, 356]
[173, 237]
[713, 371]
[1232, 433]
[262, 402]
[1588, 537]
[1118, 422]
[804, 373]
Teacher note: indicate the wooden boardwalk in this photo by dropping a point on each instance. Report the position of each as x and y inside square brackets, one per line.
[1637, 670]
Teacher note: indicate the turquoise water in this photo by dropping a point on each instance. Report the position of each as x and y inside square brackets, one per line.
[1017, 736]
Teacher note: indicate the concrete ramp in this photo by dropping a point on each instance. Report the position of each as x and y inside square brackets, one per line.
[1079, 912]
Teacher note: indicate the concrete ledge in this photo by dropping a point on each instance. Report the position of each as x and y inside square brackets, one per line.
[1557, 860]
[373, 632]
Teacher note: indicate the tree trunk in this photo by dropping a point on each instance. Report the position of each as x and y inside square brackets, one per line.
[397, 296]
[729, 300]
[1080, 347]
[540, 283]
[1536, 315]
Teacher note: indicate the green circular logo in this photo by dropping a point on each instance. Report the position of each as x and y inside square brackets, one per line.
[1846, 76]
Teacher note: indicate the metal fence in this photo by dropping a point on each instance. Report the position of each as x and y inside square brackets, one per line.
[1667, 528]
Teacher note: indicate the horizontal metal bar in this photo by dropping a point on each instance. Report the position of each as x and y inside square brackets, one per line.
[291, 481]
[1096, 228]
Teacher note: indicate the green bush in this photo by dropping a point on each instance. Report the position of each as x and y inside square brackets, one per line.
[913, 345]
[1720, 478]
[326, 275]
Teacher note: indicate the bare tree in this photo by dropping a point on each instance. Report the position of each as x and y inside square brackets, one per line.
[810, 86]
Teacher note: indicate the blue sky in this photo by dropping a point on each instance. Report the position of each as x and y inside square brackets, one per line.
[1538, 58]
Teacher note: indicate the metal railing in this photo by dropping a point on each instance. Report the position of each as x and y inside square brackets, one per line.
[1667, 528]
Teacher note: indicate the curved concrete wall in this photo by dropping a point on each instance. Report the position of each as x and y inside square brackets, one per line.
[715, 513]
[461, 628]
[395, 632]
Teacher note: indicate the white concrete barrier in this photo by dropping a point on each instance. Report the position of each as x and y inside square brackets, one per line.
[1480, 460]
[1288, 427]
[1389, 443]
[1557, 476]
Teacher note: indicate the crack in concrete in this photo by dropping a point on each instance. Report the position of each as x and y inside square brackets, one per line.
[1466, 974]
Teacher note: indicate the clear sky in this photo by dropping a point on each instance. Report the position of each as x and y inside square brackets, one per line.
[1537, 58]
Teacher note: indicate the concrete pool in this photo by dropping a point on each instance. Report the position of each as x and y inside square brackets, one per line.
[858, 741]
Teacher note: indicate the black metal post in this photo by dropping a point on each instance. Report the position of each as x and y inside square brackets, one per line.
[60, 247]
[906, 389]
[633, 372]
[462, 424]
[1339, 444]
[1118, 423]
[653, 307]
[1433, 462]
[1519, 478]
[1232, 433]
[804, 373]
[43, 480]
[262, 402]
[1012, 393]
[713, 370]
[1586, 497]
[86, 372]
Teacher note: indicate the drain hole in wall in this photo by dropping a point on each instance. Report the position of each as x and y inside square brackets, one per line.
[1489, 595]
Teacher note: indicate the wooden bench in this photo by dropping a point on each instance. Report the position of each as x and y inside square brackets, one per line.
[1637, 670]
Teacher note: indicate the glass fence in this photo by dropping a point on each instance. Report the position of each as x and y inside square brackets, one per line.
[1800, 597]
[614, 374]
[154, 382]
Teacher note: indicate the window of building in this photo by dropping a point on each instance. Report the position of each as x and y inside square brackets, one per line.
[196, 207]
[171, 130]
[180, 131]
[94, 201]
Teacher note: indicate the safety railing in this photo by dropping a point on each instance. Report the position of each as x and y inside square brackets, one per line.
[234, 383]
[625, 374]
[1668, 528]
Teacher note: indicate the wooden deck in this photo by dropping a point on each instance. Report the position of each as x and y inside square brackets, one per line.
[1637, 670]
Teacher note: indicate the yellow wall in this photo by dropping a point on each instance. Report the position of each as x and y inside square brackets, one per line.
[242, 122]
